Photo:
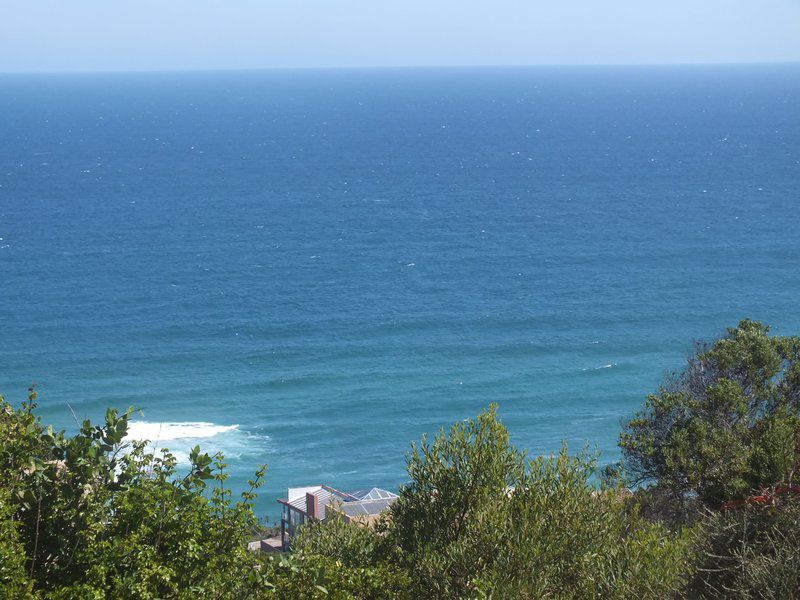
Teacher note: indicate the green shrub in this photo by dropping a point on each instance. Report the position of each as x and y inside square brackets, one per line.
[87, 517]
[309, 577]
[479, 519]
[15, 582]
[749, 552]
[727, 425]
[349, 544]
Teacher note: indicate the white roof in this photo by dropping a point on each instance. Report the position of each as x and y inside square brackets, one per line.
[300, 492]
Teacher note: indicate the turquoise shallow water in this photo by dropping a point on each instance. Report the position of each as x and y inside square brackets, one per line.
[335, 262]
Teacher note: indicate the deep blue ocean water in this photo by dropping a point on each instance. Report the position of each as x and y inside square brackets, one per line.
[338, 261]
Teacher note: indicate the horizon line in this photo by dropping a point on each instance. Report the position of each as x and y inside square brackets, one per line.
[145, 71]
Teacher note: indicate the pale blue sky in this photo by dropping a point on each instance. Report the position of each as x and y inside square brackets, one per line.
[122, 35]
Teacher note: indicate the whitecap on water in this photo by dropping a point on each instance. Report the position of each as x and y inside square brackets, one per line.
[608, 366]
[181, 437]
[159, 432]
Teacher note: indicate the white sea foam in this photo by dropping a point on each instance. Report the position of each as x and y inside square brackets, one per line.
[161, 432]
[181, 437]
[608, 366]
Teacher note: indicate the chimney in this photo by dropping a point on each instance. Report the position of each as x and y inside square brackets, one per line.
[312, 505]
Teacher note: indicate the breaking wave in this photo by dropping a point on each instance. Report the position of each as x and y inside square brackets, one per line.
[181, 437]
[161, 432]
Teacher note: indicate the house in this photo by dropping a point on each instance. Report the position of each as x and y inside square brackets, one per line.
[321, 502]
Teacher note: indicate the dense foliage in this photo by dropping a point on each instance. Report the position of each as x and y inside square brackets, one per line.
[480, 519]
[88, 520]
[716, 510]
[751, 552]
[90, 516]
[727, 425]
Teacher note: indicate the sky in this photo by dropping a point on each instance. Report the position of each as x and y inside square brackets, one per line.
[148, 35]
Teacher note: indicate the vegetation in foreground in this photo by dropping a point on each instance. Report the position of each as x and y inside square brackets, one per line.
[712, 458]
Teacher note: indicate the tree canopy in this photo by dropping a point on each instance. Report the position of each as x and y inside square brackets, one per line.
[89, 520]
[480, 519]
[726, 425]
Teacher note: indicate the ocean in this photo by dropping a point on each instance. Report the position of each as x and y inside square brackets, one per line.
[311, 269]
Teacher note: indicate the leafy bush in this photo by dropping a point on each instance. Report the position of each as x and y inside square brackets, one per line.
[750, 552]
[88, 520]
[351, 545]
[320, 577]
[15, 582]
[479, 519]
[727, 425]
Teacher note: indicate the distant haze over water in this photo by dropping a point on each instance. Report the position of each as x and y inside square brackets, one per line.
[312, 268]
